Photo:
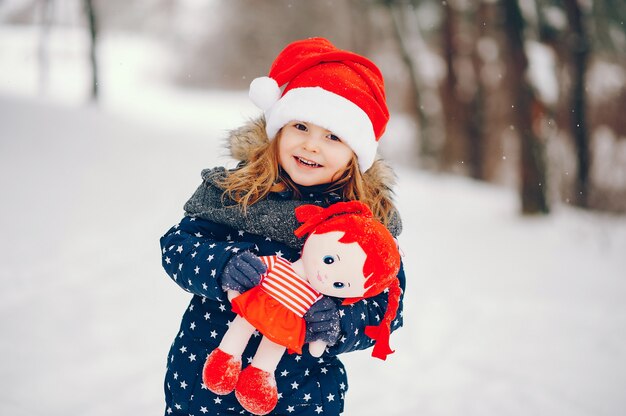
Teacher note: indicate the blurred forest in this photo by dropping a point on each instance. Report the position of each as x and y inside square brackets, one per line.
[525, 93]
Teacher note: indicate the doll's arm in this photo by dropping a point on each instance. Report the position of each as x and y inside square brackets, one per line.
[317, 347]
[232, 294]
[355, 317]
[194, 253]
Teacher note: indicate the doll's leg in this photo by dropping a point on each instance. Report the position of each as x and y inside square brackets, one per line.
[267, 355]
[256, 388]
[236, 338]
[223, 366]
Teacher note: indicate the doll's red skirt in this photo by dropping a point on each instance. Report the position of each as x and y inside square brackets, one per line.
[274, 320]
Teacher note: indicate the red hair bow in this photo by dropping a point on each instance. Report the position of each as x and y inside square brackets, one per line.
[312, 215]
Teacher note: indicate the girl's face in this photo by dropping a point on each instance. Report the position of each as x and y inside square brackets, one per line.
[334, 268]
[312, 155]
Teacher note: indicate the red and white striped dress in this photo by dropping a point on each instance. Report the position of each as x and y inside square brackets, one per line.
[277, 305]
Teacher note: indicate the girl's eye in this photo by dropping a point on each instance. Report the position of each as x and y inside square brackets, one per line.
[338, 285]
[334, 138]
[300, 126]
[329, 259]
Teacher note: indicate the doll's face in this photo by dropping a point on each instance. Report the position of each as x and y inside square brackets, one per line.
[334, 268]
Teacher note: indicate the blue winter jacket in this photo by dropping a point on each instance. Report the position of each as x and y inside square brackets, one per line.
[194, 253]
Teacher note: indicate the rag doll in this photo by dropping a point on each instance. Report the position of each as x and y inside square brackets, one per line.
[347, 254]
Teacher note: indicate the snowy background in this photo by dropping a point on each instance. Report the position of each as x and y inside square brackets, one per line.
[504, 315]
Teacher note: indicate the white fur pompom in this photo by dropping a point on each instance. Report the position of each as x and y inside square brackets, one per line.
[264, 92]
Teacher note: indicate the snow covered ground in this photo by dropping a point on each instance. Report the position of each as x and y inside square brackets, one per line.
[504, 315]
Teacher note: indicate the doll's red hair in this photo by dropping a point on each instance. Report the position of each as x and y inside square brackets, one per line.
[381, 266]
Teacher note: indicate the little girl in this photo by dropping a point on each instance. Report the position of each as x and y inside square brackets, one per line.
[315, 145]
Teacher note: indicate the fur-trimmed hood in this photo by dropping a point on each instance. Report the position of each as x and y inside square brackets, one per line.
[242, 142]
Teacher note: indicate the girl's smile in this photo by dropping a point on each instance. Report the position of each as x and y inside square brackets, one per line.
[307, 163]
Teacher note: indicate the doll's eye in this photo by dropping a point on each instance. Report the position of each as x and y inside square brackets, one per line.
[339, 285]
[329, 259]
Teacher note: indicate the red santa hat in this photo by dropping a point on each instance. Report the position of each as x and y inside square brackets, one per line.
[335, 89]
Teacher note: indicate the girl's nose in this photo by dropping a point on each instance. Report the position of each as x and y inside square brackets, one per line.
[312, 142]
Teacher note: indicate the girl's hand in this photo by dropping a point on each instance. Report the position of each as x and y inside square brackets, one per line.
[242, 272]
[322, 322]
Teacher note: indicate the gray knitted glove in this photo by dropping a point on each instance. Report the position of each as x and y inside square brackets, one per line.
[242, 272]
[322, 322]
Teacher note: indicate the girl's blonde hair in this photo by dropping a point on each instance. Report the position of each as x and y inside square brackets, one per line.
[261, 174]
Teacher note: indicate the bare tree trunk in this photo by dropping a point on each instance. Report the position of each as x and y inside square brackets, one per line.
[453, 148]
[462, 92]
[579, 45]
[360, 36]
[533, 170]
[426, 148]
[475, 119]
[93, 32]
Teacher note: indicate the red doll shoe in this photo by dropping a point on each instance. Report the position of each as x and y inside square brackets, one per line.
[221, 371]
[256, 391]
